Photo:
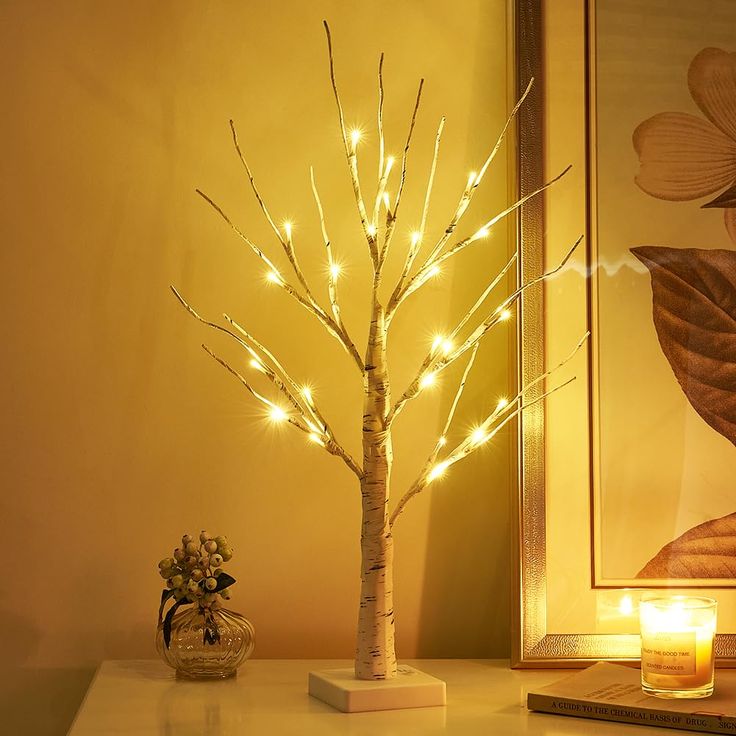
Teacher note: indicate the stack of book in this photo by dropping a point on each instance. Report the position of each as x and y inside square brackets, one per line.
[612, 692]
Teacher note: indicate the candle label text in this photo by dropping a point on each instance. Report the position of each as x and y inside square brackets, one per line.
[668, 653]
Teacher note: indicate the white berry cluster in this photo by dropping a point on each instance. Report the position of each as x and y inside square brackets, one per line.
[193, 570]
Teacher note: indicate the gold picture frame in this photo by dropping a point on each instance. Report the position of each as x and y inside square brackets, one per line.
[554, 42]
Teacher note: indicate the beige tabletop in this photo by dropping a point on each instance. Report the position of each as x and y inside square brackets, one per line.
[269, 697]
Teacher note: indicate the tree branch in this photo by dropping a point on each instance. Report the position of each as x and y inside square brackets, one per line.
[300, 399]
[276, 278]
[350, 151]
[432, 265]
[432, 471]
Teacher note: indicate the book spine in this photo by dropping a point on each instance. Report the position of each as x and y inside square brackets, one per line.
[702, 722]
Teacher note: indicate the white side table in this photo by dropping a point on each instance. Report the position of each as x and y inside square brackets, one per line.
[269, 698]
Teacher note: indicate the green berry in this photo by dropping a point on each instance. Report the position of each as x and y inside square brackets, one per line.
[165, 573]
[186, 539]
[210, 583]
[226, 553]
[210, 547]
[216, 560]
[197, 574]
[190, 561]
[225, 593]
[204, 536]
[177, 581]
[204, 562]
[217, 571]
[179, 554]
[192, 548]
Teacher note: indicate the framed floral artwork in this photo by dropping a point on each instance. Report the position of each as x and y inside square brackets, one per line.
[626, 477]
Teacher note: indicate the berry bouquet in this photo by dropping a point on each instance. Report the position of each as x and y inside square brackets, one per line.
[195, 575]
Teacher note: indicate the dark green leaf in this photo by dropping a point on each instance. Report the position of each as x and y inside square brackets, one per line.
[168, 619]
[165, 595]
[223, 581]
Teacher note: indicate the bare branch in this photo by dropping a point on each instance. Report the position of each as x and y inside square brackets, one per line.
[331, 265]
[474, 182]
[418, 240]
[351, 153]
[432, 265]
[392, 215]
[431, 472]
[289, 417]
[381, 143]
[286, 243]
[435, 362]
[335, 329]
[239, 233]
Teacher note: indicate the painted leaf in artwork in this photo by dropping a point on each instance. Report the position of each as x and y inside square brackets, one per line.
[705, 551]
[694, 310]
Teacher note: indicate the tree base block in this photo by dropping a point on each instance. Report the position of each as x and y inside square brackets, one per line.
[409, 689]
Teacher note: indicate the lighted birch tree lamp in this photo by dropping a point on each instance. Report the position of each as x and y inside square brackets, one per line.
[377, 682]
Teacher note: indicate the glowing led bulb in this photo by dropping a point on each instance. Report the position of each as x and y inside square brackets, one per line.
[287, 230]
[472, 176]
[277, 414]
[438, 340]
[442, 441]
[437, 471]
[316, 439]
[505, 314]
[446, 346]
[434, 270]
[386, 201]
[479, 435]
[274, 278]
[257, 365]
[416, 236]
[427, 380]
[626, 607]
[372, 230]
[334, 270]
[307, 394]
[484, 232]
[502, 403]
[354, 136]
[389, 163]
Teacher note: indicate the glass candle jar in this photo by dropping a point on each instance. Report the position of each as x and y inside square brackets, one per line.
[677, 653]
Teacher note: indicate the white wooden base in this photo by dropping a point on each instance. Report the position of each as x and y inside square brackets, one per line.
[409, 689]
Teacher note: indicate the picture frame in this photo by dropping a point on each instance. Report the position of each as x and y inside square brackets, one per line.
[564, 615]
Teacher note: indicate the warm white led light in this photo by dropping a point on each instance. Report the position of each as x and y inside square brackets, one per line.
[372, 230]
[334, 270]
[354, 136]
[274, 278]
[505, 314]
[427, 380]
[437, 471]
[278, 414]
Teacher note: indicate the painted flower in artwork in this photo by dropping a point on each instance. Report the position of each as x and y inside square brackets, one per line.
[687, 157]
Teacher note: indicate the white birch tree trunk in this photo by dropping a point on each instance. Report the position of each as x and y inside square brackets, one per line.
[375, 656]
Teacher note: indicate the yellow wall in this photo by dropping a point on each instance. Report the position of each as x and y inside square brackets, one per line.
[119, 432]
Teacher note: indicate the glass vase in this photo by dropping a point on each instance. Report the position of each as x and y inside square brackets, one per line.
[206, 642]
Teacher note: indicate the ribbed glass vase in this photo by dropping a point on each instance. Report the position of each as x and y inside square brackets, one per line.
[195, 653]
